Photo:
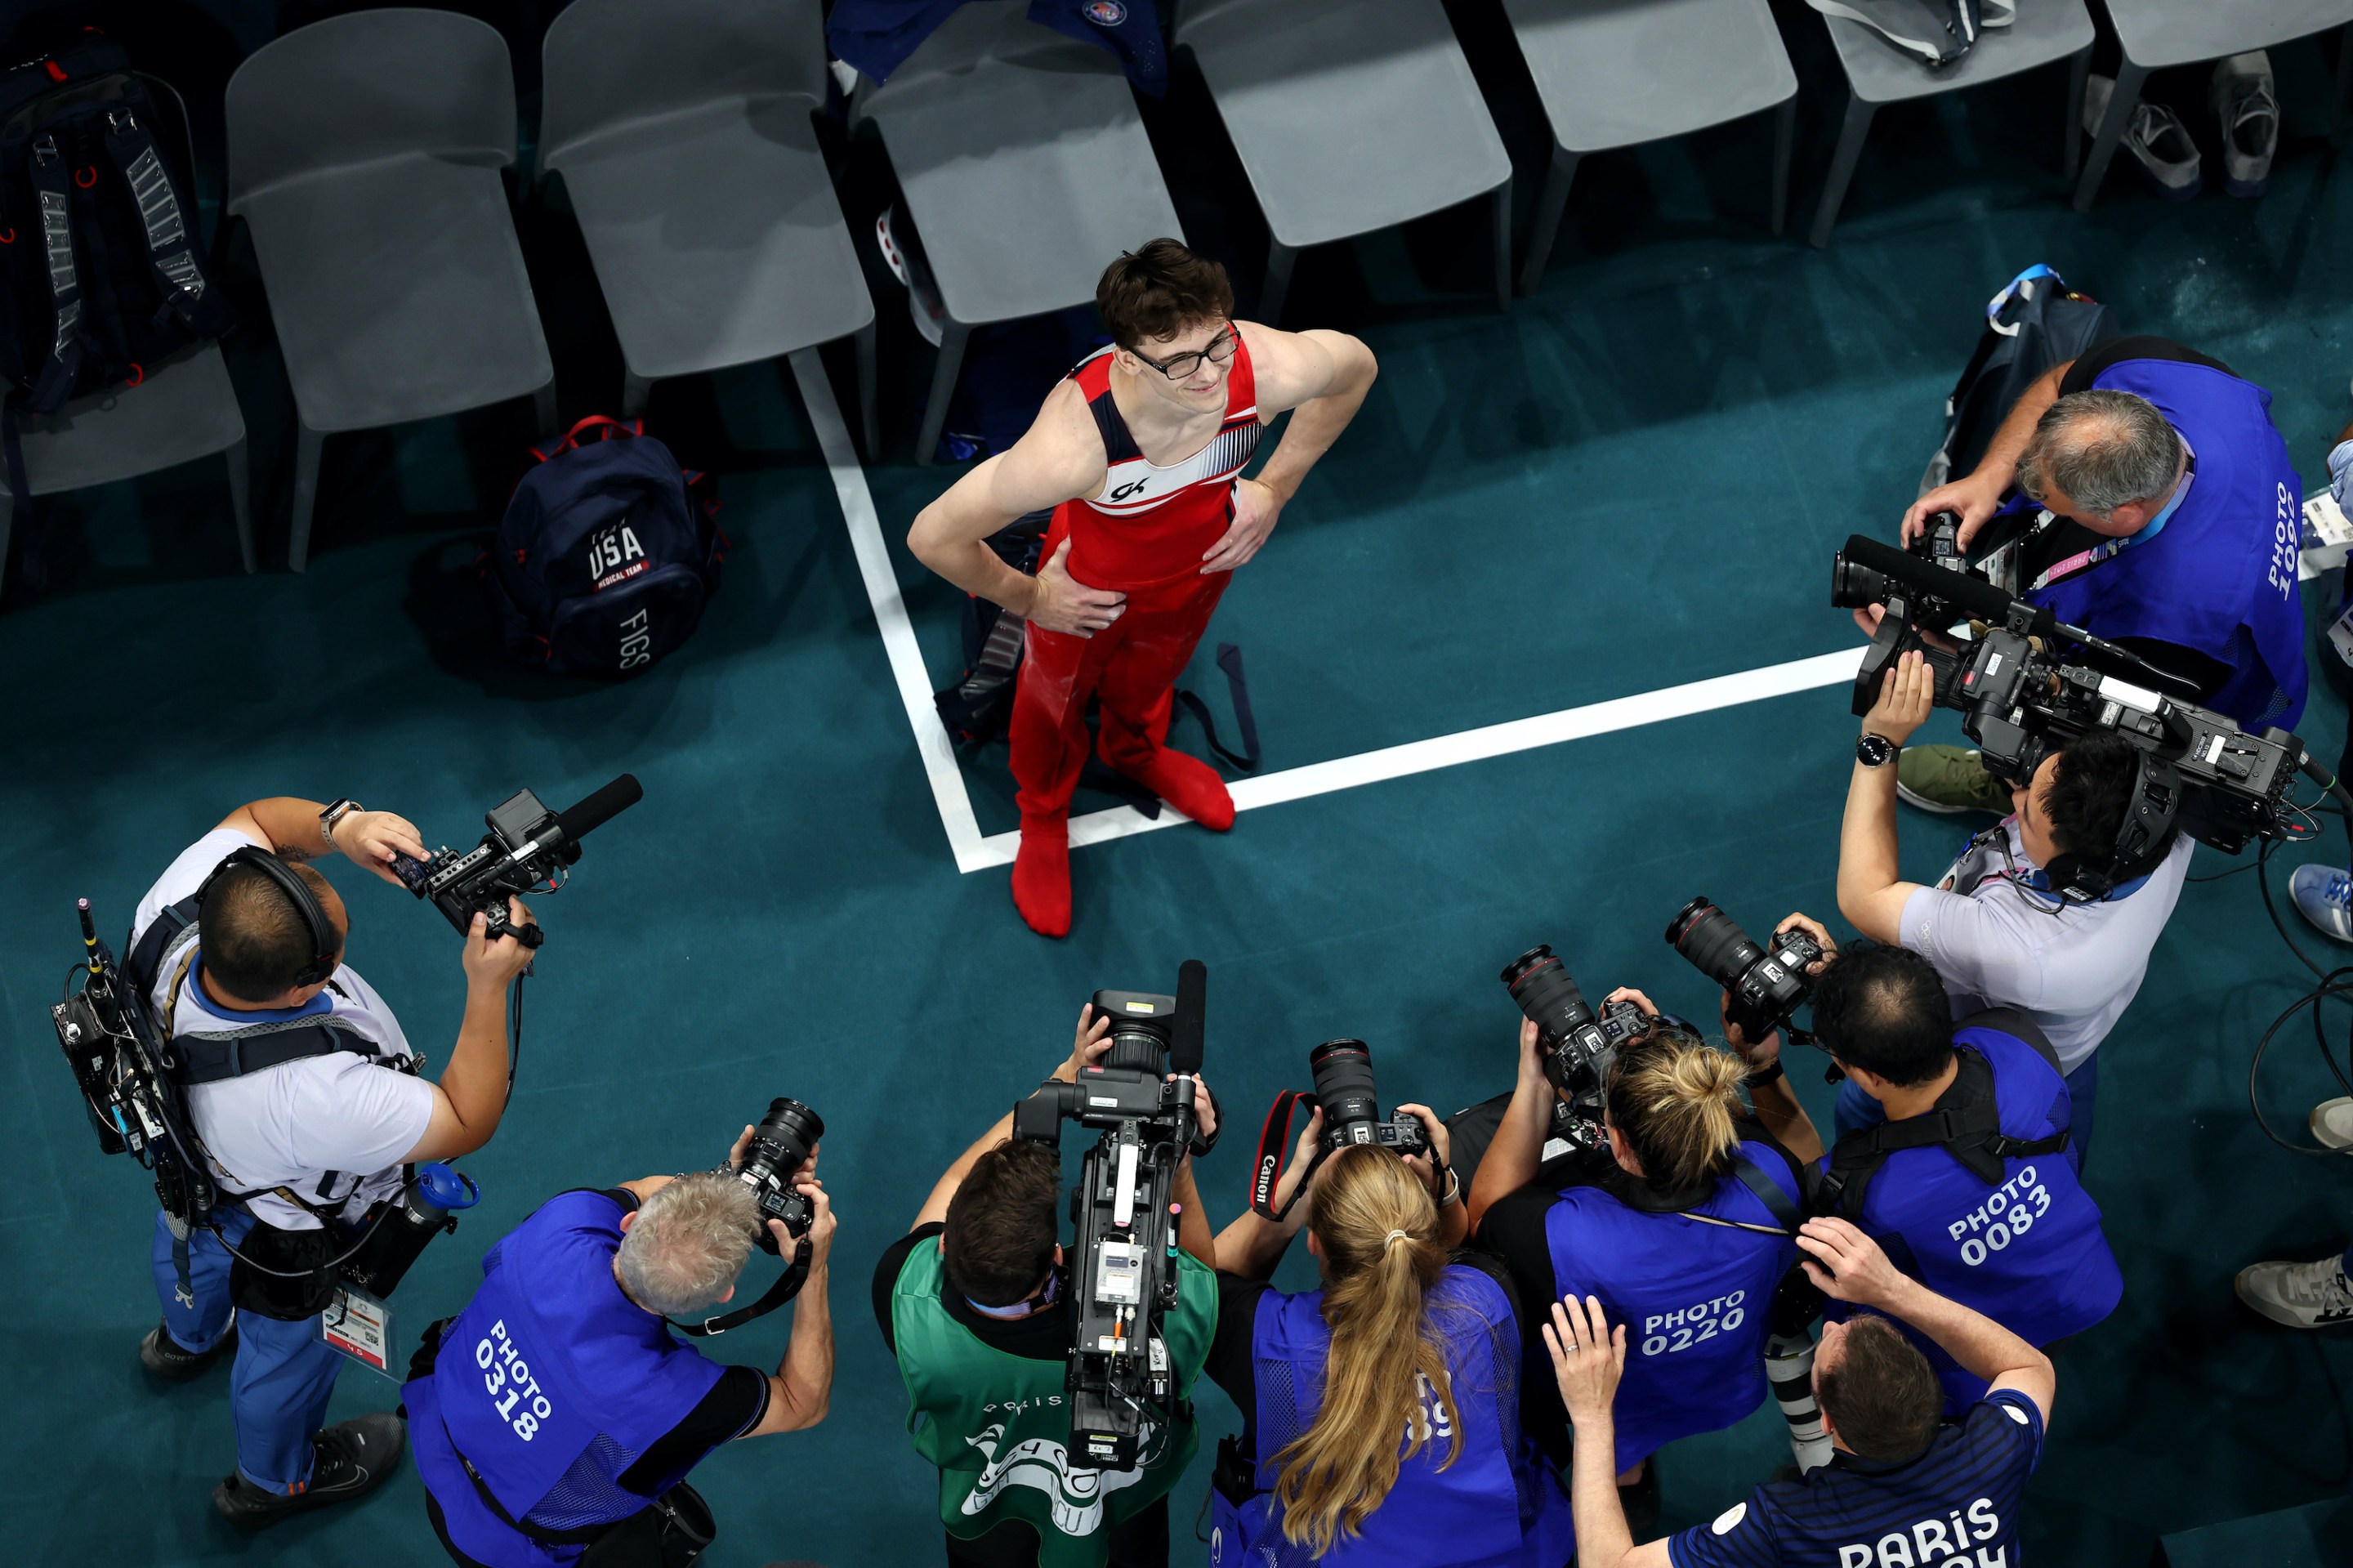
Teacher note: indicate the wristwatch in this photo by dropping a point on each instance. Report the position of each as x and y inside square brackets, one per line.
[1874, 750]
[1770, 1072]
[336, 813]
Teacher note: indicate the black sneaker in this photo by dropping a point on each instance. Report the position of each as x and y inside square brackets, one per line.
[162, 1355]
[353, 1458]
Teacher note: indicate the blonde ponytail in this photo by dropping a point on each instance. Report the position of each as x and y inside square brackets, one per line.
[1377, 1227]
[1677, 1101]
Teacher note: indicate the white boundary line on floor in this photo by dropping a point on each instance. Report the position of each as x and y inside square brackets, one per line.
[975, 852]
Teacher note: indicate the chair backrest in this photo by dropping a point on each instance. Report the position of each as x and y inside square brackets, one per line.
[609, 63]
[978, 31]
[365, 87]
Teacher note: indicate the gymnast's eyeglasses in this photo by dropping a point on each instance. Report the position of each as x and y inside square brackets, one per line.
[1178, 367]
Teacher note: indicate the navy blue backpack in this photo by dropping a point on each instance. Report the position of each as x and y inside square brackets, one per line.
[606, 555]
[100, 270]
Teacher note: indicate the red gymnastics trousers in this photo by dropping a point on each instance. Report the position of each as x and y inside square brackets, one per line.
[1144, 534]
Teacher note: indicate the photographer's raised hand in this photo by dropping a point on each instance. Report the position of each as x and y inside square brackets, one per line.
[1907, 692]
[370, 840]
[1092, 1043]
[1819, 932]
[1847, 1266]
[472, 1094]
[1974, 498]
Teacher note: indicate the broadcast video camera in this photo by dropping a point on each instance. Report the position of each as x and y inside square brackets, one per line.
[2026, 684]
[1579, 1048]
[1765, 987]
[528, 849]
[780, 1144]
[1123, 1274]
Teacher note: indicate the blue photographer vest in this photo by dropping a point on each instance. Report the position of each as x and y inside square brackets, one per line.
[1696, 1299]
[1497, 1506]
[551, 1384]
[2220, 576]
[2028, 1252]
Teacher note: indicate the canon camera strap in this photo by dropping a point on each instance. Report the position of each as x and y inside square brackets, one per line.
[1969, 1129]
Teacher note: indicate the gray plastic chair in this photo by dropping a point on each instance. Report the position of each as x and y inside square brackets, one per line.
[2154, 34]
[1877, 73]
[683, 136]
[1617, 73]
[1350, 116]
[363, 154]
[1024, 164]
[183, 409]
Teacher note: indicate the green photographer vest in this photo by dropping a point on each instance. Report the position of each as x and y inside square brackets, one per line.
[999, 1425]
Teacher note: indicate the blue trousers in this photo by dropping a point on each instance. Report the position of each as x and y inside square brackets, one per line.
[284, 1372]
[1857, 1110]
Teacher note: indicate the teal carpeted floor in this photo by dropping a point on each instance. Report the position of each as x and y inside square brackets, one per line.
[1631, 481]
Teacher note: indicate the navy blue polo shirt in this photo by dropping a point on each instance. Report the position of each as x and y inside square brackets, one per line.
[1954, 1505]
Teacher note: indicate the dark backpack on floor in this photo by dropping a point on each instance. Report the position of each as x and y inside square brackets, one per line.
[2034, 323]
[606, 555]
[101, 270]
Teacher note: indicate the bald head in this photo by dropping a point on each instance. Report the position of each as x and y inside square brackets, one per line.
[2093, 452]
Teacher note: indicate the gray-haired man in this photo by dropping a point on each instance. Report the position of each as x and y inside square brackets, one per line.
[2168, 519]
[558, 1410]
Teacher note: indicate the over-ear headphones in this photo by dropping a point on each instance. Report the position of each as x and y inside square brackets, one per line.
[306, 904]
[2143, 839]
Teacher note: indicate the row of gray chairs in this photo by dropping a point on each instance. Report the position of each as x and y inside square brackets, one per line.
[364, 154]
[364, 157]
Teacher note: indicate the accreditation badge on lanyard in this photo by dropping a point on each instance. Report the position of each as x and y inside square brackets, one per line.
[358, 1325]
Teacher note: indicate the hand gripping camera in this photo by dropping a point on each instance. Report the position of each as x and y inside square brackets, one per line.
[1765, 987]
[529, 848]
[780, 1144]
[1124, 1273]
[1342, 1071]
[1579, 1048]
[2026, 684]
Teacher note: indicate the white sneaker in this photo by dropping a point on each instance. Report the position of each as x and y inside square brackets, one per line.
[2248, 109]
[2323, 895]
[2332, 1122]
[2300, 1295]
[2157, 138]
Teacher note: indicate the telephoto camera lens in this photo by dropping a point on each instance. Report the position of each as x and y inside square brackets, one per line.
[1714, 942]
[1853, 587]
[780, 1145]
[1343, 1070]
[1540, 983]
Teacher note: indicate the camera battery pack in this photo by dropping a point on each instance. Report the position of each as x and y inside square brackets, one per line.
[1119, 1274]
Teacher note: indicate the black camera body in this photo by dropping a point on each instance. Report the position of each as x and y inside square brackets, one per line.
[1342, 1072]
[1767, 985]
[1939, 540]
[1123, 1274]
[780, 1145]
[528, 848]
[2020, 702]
[1581, 1046]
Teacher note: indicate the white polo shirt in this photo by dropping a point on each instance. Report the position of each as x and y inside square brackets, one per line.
[2073, 970]
[292, 1124]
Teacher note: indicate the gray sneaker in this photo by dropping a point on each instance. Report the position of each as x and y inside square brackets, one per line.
[2300, 1295]
[2249, 112]
[2154, 135]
